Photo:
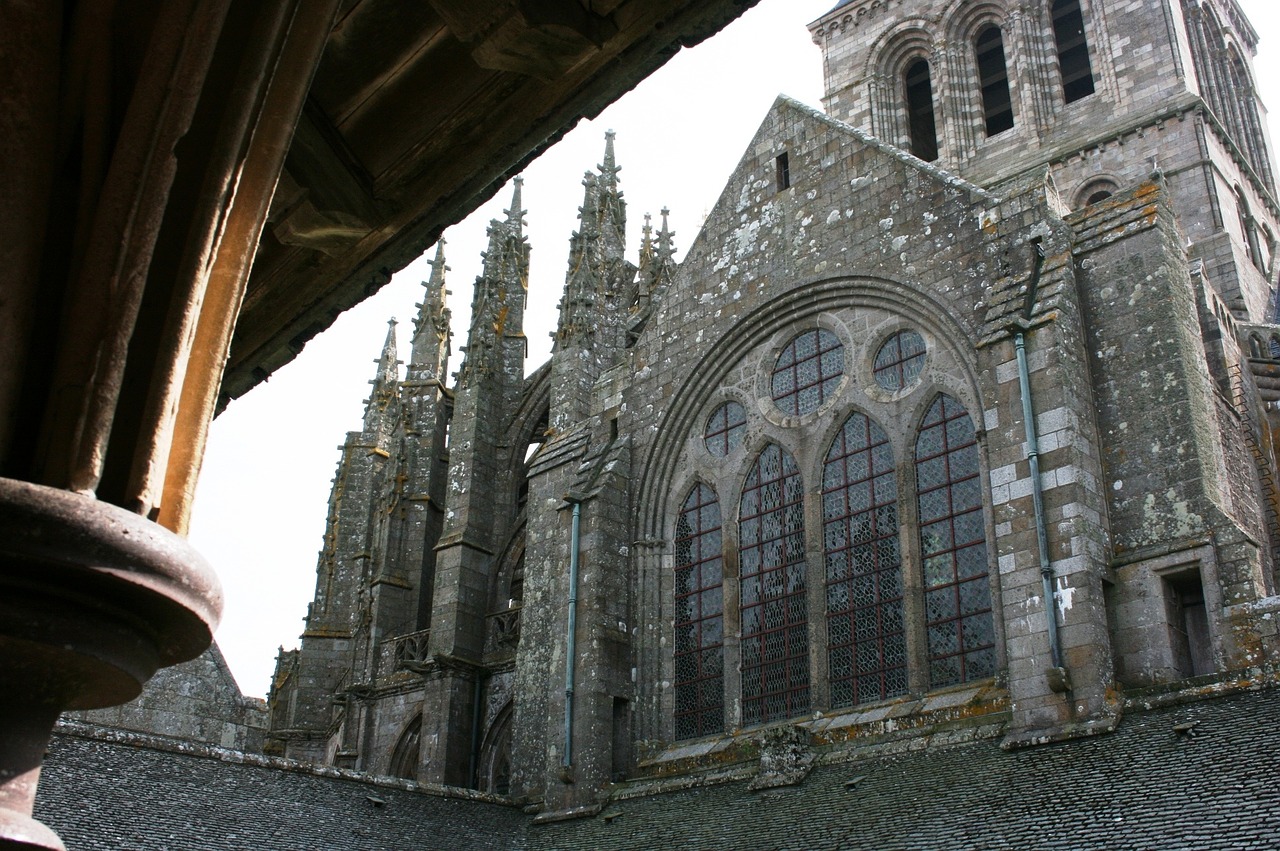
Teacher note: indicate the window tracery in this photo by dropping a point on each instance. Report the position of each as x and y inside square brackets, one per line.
[905, 606]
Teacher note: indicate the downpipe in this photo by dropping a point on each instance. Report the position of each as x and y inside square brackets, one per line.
[571, 641]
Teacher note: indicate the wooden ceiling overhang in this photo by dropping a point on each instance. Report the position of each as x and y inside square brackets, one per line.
[418, 112]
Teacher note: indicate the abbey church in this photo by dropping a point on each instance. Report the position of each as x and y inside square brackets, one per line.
[947, 448]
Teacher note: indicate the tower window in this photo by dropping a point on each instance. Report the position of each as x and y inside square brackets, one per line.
[783, 168]
[921, 124]
[1073, 50]
[993, 77]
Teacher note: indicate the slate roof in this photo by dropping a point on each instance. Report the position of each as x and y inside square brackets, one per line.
[1142, 787]
[1146, 786]
[102, 794]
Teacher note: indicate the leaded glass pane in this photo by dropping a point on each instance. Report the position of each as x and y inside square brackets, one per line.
[807, 372]
[725, 428]
[699, 631]
[773, 605]
[899, 361]
[958, 611]
[864, 603]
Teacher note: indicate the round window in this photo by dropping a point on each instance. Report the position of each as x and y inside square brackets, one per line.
[725, 428]
[807, 372]
[899, 361]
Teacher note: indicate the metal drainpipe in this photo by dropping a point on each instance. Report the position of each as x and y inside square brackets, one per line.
[1058, 682]
[571, 649]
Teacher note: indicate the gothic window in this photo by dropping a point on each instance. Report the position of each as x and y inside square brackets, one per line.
[725, 428]
[404, 759]
[807, 371]
[899, 361]
[773, 606]
[921, 125]
[1073, 50]
[699, 651]
[993, 77]
[866, 640]
[960, 632]
[901, 606]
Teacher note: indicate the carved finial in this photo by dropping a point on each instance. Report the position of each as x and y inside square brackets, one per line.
[515, 215]
[609, 169]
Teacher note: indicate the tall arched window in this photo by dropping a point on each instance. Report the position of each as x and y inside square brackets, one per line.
[993, 77]
[866, 639]
[920, 121]
[960, 633]
[774, 610]
[1073, 50]
[699, 618]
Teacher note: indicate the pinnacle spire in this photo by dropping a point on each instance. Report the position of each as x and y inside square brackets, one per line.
[666, 244]
[431, 328]
[385, 381]
[515, 215]
[609, 168]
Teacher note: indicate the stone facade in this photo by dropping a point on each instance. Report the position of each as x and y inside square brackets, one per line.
[982, 436]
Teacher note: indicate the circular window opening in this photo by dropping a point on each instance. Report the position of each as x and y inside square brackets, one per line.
[899, 361]
[807, 372]
[725, 428]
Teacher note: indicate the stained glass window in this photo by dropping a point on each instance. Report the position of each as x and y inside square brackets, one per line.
[725, 428]
[899, 361]
[807, 372]
[699, 616]
[866, 640]
[960, 632]
[774, 610]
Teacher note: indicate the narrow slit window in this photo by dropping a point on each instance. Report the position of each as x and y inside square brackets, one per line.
[921, 125]
[1073, 50]
[783, 168]
[993, 76]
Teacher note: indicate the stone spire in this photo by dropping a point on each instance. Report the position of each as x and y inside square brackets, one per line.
[430, 353]
[379, 407]
[582, 286]
[497, 304]
[616, 275]
[657, 262]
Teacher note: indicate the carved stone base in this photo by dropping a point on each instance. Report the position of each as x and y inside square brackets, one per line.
[93, 600]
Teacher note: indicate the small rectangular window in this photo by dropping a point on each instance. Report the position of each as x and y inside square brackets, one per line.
[783, 171]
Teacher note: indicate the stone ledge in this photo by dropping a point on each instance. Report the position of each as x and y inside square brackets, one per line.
[128, 738]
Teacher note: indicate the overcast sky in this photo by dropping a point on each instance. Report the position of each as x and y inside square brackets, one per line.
[260, 507]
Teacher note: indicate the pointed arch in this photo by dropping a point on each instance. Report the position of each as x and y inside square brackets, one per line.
[866, 635]
[408, 749]
[773, 605]
[699, 615]
[959, 624]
